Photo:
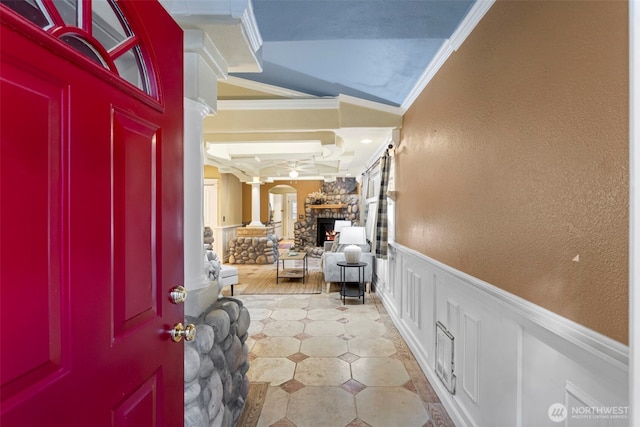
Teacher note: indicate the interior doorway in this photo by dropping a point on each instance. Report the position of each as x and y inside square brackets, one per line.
[292, 215]
[210, 202]
[283, 210]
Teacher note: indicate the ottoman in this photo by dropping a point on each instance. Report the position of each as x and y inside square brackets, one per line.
[228, 276]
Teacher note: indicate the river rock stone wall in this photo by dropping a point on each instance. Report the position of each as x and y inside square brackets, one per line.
[342, 191]
[253, 250]
[216, 364]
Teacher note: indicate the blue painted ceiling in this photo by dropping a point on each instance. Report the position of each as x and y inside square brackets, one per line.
[373, 50]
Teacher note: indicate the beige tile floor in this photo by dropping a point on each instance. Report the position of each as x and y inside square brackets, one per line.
[335, 365]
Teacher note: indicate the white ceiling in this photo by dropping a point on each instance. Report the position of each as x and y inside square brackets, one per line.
[309, 80]
[319, 138]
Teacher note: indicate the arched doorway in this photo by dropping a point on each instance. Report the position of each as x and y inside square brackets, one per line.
[283, 210]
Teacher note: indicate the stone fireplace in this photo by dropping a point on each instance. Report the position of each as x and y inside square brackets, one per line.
[341, 201]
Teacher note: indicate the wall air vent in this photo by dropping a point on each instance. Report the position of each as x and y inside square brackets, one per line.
[444, 357]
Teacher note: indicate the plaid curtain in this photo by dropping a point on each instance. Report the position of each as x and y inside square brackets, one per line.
[381, 222]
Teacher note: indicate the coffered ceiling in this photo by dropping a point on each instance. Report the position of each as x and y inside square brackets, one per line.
[318, 138]
[316, 86]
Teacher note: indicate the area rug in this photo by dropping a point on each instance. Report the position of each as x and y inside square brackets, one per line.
[254, 280]
[253, 404]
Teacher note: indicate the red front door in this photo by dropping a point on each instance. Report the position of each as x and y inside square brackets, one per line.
[91, 214]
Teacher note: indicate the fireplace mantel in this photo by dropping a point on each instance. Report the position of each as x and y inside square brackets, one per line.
[327, 206]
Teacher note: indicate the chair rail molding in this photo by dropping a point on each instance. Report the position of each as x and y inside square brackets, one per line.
[513, 359]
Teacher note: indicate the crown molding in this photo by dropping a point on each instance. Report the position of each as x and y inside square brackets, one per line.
[438, 60]
[372, 105]
[266, 88]
[280, 104]
[250, 26]
[231, 25]
[278, 91]
[233, 8]
[198, 41]
[477, 12]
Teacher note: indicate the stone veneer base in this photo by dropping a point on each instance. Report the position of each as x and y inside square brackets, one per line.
[216, 364]
[253, 250]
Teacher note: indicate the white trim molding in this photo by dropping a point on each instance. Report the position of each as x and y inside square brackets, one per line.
[266, 88]
[250, 25]
[280, 104]
[513, 359]
[478, 10]
[372, 105]
[198, 41]
[303, 103]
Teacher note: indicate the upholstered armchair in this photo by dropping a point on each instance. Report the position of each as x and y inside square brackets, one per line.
[331, 258]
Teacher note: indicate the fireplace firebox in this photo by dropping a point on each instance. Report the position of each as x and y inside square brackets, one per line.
[325, 230]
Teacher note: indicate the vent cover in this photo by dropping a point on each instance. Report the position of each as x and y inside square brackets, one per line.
[444, 357]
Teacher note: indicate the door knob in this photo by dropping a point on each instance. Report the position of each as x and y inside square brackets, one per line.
[179, 331]
[178, 294]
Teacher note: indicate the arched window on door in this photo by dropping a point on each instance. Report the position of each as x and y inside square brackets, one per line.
[98, 29]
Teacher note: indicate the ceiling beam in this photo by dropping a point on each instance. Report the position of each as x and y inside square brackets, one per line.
[298, 115]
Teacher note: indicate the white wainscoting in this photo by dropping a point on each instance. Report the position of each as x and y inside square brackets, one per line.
[222, 236]
[513, 359]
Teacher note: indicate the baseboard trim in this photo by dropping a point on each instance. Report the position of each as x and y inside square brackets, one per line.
[456, 414]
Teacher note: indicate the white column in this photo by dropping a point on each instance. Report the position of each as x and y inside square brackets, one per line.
[255, 205]
[194, 113]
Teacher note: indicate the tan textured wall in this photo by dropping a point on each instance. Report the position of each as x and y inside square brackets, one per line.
[229, 196]
[211, 172]
[230, 203]
[302, 188]
[518, 150]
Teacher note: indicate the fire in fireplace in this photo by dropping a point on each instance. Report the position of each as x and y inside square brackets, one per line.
[325, 230]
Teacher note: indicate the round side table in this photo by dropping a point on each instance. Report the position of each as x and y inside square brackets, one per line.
[346, 291]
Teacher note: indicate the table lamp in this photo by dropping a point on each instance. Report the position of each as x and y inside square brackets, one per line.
[339, 224]
[352, 237]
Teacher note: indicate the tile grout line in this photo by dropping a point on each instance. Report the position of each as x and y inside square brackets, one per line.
[410, 363]
[402, 352]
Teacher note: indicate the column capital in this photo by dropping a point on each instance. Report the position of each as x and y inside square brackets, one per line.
[203, 64]
[197, 108]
